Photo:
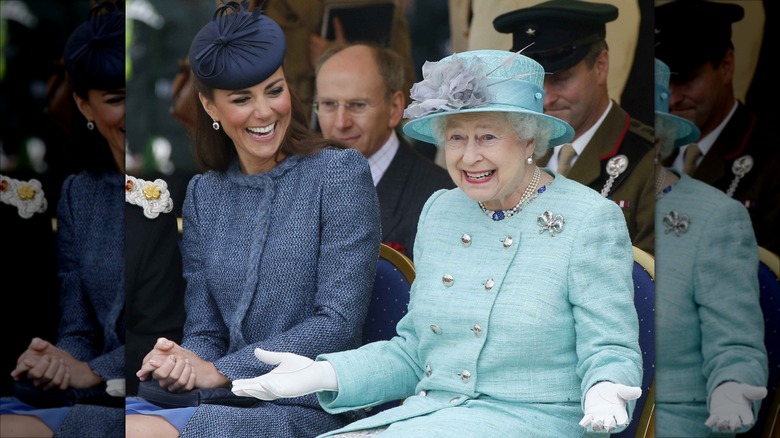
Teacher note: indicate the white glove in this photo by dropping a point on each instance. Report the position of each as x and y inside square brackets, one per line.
[293, 377]
[731, 406]
[605, 406]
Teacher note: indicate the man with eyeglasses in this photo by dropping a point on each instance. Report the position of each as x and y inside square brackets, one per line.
[359, 101]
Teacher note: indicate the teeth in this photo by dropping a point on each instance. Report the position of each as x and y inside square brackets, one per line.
[263, 130]
[482, 175]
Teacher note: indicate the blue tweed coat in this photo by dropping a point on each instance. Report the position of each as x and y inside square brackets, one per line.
[529, 322]
[709, 326]
[285, 261]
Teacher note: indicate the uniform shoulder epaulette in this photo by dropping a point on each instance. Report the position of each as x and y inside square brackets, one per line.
[642, 130]
[27, 196]
[153, 196]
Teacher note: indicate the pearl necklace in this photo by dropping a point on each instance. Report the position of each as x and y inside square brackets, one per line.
[527, 196]
[660, 190]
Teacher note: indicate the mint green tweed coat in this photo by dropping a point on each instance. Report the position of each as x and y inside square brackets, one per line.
[709, 325]
[508, 348]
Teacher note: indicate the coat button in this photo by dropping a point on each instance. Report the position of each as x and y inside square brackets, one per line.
[465, 375]
[466, 240]
[477, 329]
[436, 329]
[423, 393]
[428, 370]
[489, 284]
[507, 241]
[447, 280]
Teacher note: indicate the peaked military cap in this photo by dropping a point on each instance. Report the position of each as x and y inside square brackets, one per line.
[559, 32]
[689, 33]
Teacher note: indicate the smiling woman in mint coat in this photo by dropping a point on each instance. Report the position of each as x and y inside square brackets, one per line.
[521, 320]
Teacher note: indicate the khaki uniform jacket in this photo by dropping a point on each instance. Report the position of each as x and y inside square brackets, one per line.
[632, 190]
[759, 188]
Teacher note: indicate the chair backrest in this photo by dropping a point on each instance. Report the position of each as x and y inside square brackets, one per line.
[644, 300]
[394, 276]
[768, 420]
[389, 300]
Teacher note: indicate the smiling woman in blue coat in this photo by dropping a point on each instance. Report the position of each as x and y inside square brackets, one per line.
[521, 319]
[280, 243]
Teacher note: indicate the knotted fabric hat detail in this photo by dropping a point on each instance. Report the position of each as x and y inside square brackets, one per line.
[237, 49]
[686, 131]
[480, 81]
[94, 55]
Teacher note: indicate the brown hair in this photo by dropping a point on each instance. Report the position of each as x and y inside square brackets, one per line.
[214, 150]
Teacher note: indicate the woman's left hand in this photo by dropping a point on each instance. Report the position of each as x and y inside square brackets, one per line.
[605, 406]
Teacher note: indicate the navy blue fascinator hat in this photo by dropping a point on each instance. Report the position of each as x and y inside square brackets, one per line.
[237, 49]
[94, 55]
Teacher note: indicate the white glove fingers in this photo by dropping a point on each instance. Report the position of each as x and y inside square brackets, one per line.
[754, 392]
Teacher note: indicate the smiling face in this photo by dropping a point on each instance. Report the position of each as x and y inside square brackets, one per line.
[487, 159]
[106, 109]
[578, 95]
[255, 118]
[352, 75]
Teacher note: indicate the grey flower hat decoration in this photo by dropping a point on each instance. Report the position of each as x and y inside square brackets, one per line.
[686, 132]
[237, 48]
[480, 81]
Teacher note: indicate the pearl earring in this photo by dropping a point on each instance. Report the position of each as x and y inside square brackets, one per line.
[529, 160]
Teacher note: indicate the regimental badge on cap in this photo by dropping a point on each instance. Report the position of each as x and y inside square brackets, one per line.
[153, 196]
[27, 196]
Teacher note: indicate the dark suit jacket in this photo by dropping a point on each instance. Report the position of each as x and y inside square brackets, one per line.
[632, 190]
[759, 189]
[154, 286]
[407, 183]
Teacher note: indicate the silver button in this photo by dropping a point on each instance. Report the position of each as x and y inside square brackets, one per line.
[423, 393]
[477, 329]
[466, 240]
[436, 329]
[447, 280]
[465, 375]
[428, 370]
[489, 284]
[507, 241]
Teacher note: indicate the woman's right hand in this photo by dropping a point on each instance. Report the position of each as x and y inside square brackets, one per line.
[293, 376]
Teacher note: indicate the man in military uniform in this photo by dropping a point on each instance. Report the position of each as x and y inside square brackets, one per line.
[611, 152]
[734, 153]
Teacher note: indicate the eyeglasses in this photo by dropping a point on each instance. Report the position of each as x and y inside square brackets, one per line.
[329, 107]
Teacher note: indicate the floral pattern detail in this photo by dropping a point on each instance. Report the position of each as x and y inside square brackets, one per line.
[676, 222]
[26, 196]
[447, 85]
[153, 196]
[550, 222]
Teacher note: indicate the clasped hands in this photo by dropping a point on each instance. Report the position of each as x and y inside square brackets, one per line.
[50, 367]
[178, 369]
[731, 406]
[293, 376]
